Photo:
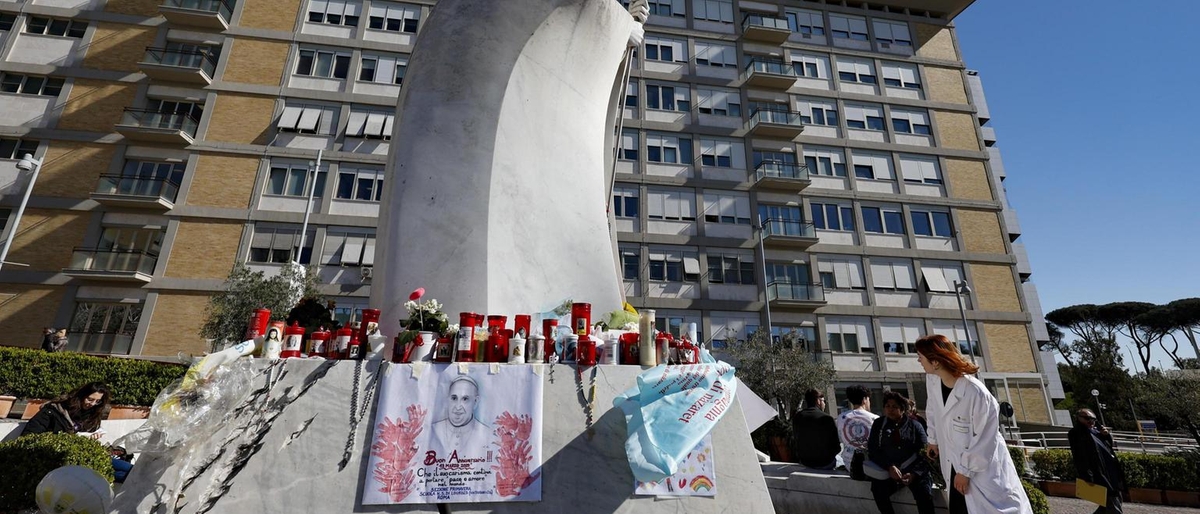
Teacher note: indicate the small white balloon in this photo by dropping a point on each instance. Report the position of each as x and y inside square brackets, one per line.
[74, 490]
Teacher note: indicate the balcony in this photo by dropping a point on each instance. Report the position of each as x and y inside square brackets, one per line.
[206, 14]
[771, 74]
[799, 297]
[149, 126]
[157, 194]
[112, 265]
[767, 29]
[186, 66]
[780, 176]
[774, 123]
[785, 233]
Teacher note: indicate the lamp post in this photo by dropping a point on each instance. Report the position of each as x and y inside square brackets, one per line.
[27, 163]
[1099, 406]
[762, 233]
[961, 288]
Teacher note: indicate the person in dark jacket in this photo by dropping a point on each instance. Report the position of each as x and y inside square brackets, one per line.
[895, 444]
[79, 411]
[815, 441]
[1095, 458]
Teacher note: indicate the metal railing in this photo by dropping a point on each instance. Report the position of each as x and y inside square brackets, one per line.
[780, 169]
[121, 261]
[764, 21]
[1125, 442]
[138, 186]
[774, 116]
[147, 118]
[772, 66]
[223, 8]
[789, 291]
[788, 228]
[204, 61]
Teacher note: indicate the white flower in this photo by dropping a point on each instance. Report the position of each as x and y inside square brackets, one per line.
[630, 327]
[410, 305]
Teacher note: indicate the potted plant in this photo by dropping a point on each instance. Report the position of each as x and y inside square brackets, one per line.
[425, 322]
[6, 404]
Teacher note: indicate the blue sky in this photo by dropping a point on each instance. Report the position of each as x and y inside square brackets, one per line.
[1091, 102]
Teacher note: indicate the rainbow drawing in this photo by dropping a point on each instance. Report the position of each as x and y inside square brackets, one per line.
[701, 482]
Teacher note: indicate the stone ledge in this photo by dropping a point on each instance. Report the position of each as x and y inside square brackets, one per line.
[796, 489]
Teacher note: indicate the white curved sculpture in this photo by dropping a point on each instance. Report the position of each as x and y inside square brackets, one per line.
[501, 159]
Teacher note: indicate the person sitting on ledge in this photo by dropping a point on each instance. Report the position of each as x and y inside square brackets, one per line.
[815, 440]
[79, 412]
[894, 446]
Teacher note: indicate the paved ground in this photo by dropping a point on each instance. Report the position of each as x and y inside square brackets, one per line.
[1077, 506]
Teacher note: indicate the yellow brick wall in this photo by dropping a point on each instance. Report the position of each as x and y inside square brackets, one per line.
[995, 287]
[981, 231]
[96, 105]
[71, 169]
[935, 42]
[270, 14]
[175, 326]
[945, 85]
[223, 181]
[117, 46]
[1008, 345]
[25, 310]
[254, 61]
[46, 237]
[956, 130]
[241, 118]
[147, 8]
[968, 180]
[1031, 404]
[204, 249]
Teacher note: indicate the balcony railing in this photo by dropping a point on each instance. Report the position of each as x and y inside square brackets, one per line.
[788, 228]
[775, 122]
[780, 170]
[191, 59]
[158, 126]
[145, 187]
[123, 262]
[791, 292]
[770, 29]
[772, 66]
[222, 8]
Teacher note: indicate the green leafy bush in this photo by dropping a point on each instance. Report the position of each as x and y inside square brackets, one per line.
[1037, 499]
[25, 460]
[33, 373]
[1018, 458]
[1170, 472]
[1055, 464]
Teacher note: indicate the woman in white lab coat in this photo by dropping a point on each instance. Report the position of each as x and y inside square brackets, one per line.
[964, 433]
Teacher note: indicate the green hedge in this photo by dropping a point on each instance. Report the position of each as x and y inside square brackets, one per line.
[26, 460]
[33, 373]
[1141, 470]
[1037, 499]
[1018, 458]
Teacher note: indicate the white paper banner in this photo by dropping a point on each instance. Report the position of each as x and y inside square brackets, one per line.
[454, 436]
[697, 475]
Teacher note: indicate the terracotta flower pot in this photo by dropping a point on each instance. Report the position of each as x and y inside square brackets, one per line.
[1183, 498]
[6, 403]
[1061, 489]
[1150, 496]
[128, 412]
[780, 452]
[32, 407]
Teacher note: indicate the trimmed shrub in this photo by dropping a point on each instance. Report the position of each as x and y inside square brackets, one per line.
[33, 373]
[25, 460]
[1135, 473]
[1037, 499]
[1054, 464]
[1018, 458]
[1141, 471]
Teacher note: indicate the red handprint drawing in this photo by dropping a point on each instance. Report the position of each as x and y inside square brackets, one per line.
[395, 446]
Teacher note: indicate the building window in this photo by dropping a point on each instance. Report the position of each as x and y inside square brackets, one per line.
[667, 8]
[665, 49]
[668, 149]
[811, 66]
[785, 158]
[940, 277]
[726, 207]
[900, 335]
[102, 327]
[832, 216]
[56, 27]
[848, 335]
[147, 178]
[848, 27]
[871, 165]
[716, 55]
[323, 63]
[720, 153]
[931, 223]
[369, 123]
[629, 145]
[840, 273]
[955, 331]
[668, 98]
[787, 273]
[864, 117]
[892, 33]
[713, 10]
[825, 161]
[731, 327]
[783, 220]
[30, 85]
[806, 22]
[7, 20]
[17, 148]
[731, 268]
[818, 112]
[883, 220]
[292, 180]
[348, 247]
[334, 12]
[277, 245]
[360, 184]
[671, 205]
[631, 94]
[856, 70]
[675, 323]
[382, 69]
[910, 122]
[308, 118]
[394, 17]
[896, 74]
[892, 274]
[631, 262]
[719, 102]
[920, 169]
[625, 201]
[4, 215]
[674, 265]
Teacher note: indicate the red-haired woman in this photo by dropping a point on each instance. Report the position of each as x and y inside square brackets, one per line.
[964, 433]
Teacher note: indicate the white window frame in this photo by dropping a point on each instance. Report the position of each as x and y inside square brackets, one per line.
[817, 112]
[714, 150]
[671, 205]
[293, 172]
[666, 142]
[334, 12]
[370, 124]
[830, 162]
[862, 114]
[348, 247]
[672, 8]
[940, 276]
[386, 69]
[928, 213]
[892, 274]
[308, 118]
[812, 66]
[36, 85]
[806, 22]
[846, 272]
[279, 238]
[844, 210]
[883, 211]
[407, 17]
[742, 262]
[736, 326]
[622, 194]
[719, 102]
[904, 74]
[920, 169]
[335, 57]
[879, 163]
[853, 27]
[713, 10]
[726, 207]
[892, 33]
[860, 71]
[358, 179]
[631, 258]
[842, 326]
[58, 27]
[682, 260]
[913, 119]
[678, 49]
[899, 336]
[957, 332]
[660, 95]
[717, 55]
[15, 148]
[630, 144]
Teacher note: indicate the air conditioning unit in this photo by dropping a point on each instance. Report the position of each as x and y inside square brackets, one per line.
[365, 272]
